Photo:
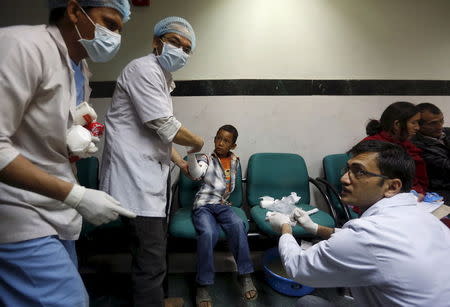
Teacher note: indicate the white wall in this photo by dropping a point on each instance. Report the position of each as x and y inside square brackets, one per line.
[312, 126]
[287, 39]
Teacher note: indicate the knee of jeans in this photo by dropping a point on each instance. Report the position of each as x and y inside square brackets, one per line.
[238, 224]
[206, 234]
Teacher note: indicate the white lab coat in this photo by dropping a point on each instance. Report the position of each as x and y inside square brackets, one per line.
[394, 255]
[37, 91]
[136, 162]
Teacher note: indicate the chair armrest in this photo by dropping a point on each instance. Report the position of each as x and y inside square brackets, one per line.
[326, 198]
[338, 197]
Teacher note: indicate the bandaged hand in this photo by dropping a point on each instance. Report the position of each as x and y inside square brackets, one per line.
[196, 169]
[277, 220]
[95, 206]
[304, 220]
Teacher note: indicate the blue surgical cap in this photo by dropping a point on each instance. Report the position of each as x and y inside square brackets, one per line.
[122, 6]
[177, 25]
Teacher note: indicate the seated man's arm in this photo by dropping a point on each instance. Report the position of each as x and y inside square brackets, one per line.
[304, 220]
[342, 261]
[436, 161]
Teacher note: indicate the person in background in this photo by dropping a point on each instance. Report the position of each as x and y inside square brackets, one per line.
[393, 255]
[140, 130]
[398, 124]
[41, 204]
[434, 141]
[212, 211]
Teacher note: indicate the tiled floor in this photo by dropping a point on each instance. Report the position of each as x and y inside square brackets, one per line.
[111, 290]
[106, 275]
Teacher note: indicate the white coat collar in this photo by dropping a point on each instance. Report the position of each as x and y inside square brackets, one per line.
[398, 200]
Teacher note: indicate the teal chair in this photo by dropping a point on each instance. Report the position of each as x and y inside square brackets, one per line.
[277, 175]
[332, 167]
[181, 225]
[87, 174]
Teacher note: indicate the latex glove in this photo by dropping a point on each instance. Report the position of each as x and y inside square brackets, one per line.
[95, 206]
[302, 217]
[277, 220]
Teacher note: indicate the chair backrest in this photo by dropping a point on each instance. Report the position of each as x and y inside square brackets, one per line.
[87, 172]
[187, 189]
[276, 175]
[332, 166]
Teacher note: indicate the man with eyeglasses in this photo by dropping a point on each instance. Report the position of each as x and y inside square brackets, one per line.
[138, 150]
[393, 255]
[434, 140]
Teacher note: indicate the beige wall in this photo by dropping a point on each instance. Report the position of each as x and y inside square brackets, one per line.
[288, 39]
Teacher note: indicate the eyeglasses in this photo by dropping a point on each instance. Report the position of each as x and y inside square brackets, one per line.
[219, 139]
[175, 42]
[357, 172]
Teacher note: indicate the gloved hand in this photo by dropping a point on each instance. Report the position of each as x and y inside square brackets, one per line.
[277, 220]
[95, 206]
[302, 217]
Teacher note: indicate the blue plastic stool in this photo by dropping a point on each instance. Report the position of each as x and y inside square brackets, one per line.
[278, 283]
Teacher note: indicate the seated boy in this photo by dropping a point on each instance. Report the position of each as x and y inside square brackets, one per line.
[212, 210]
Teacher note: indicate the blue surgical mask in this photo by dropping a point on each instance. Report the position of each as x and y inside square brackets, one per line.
[104, 46]
[172, 58]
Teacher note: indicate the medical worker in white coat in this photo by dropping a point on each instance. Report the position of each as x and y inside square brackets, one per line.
[140, 130]
[395, 254]
[41, 204]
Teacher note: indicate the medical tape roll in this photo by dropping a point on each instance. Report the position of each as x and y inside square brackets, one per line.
[84, 114]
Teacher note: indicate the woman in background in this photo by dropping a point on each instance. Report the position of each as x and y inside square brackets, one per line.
[398, 124]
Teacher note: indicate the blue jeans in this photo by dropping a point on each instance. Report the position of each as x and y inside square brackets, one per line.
[207, 221]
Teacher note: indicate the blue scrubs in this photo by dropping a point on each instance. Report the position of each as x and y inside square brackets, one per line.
[40, 272]
[79, 81]
[43, 271]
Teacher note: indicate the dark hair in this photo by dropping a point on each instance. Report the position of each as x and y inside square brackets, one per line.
[57, 14]
[393, 161]
[401, 111]
[426, 106]
[231, 129]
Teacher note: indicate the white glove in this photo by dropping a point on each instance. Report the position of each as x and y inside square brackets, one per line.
[95, 206]
[277, 220]
[81, 142]
[302, 217]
